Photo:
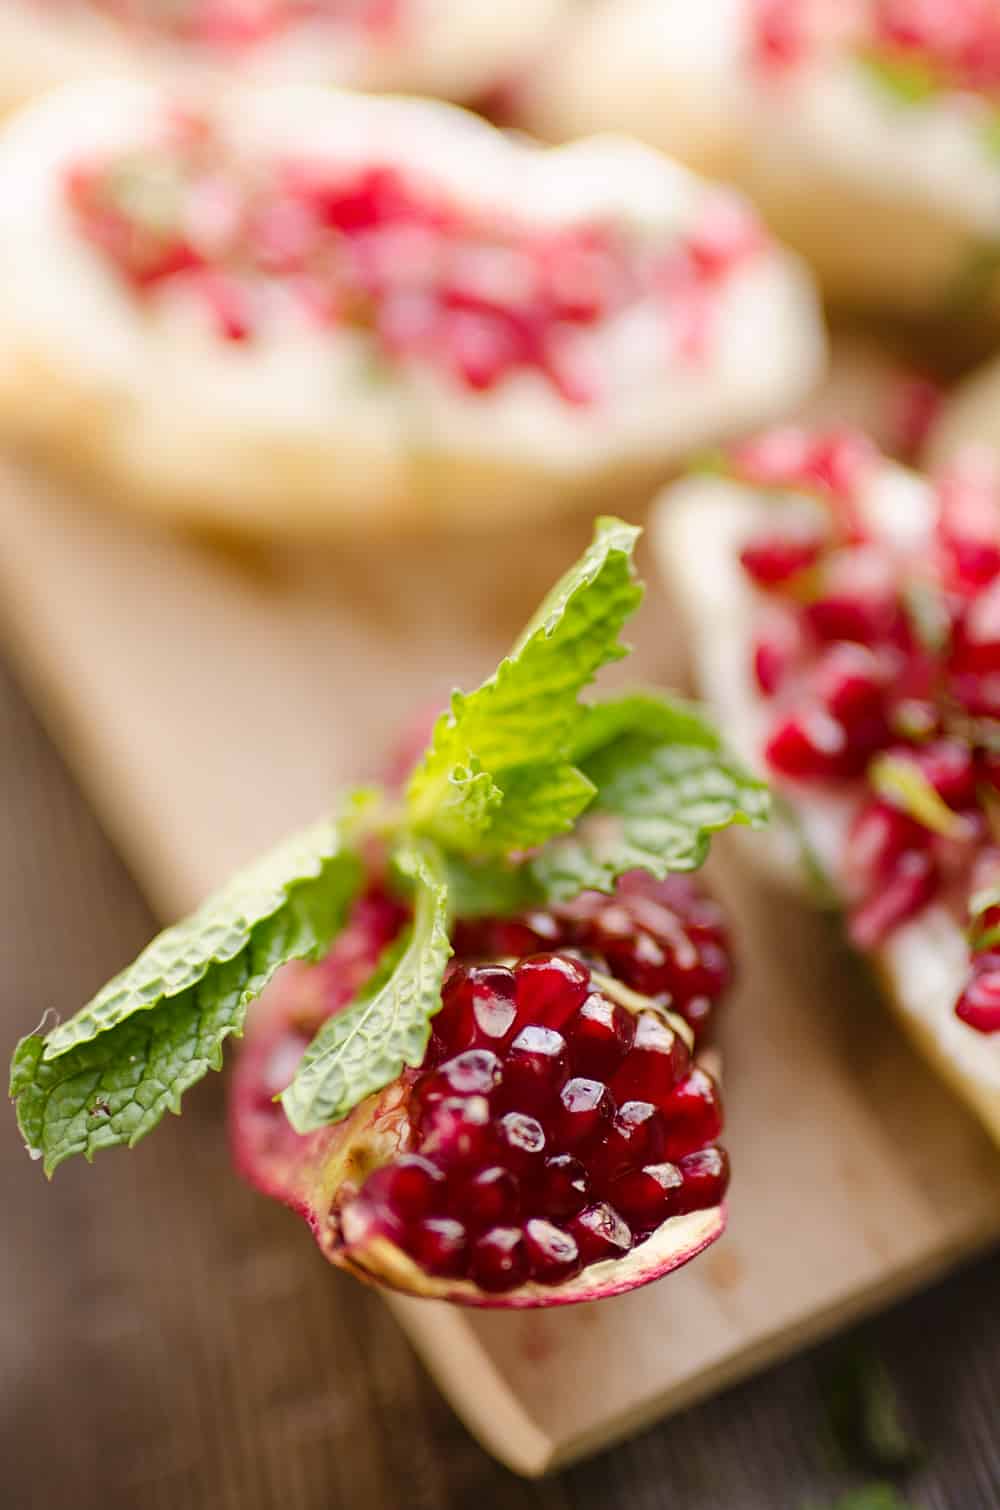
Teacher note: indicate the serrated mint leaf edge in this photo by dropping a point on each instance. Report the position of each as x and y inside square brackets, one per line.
[339, 1069]
[596, 642]
[616, 836]
[185, 954]
[112, 1089]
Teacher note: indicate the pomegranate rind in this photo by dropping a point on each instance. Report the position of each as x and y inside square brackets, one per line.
[673, 1244]
[317, 1173]
[698, 526]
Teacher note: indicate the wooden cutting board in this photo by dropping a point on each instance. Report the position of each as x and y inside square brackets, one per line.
[210, 702]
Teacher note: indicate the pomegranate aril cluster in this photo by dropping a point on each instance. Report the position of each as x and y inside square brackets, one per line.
[870, 655]
[664, 939]
[477, 296]
[953, 44]
[551, 1128]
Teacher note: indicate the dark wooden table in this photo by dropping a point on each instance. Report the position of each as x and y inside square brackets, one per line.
[168, 1340]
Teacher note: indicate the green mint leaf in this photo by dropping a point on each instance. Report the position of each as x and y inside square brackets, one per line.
[108, 1075]
[664, 784]
[364, 1048]
[983, 934]
[873, 1497]
[901, 782]
[271, 910]
[472, 792]
[864, 1413]
[908, 80]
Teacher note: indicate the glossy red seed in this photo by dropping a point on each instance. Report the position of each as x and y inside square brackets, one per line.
[456, 1131]
[478, 1009]
[520, 1143]
[536, 1066]
[705, 1177]
[645, 1197]
[551, 989]
[600, 1233]
[476, 1072]
[563, 1187]
[692, 1115]
[637, 1137]
[653, 1065]
[437, 1244]
[410, 1187]
[773, 560]
[807, 747]
[599, 1037]
[949, 767]
[906, 891]
[498, 1260]
[582, 1113]
[878, 836]
[979, 1004]
[490, 1198]
[553, 1255]
[849, 680]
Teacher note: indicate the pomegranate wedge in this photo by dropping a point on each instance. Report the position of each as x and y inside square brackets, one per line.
[557, 1144]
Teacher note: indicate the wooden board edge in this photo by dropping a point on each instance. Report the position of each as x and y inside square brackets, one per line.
[467, 1376]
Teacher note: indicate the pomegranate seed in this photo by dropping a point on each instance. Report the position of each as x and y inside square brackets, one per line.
[849, 681]
[584, 1110]
[693, 1115]
[878, 836]
[779, 645]
[437, 1245]
[812, 747]
[563, 1187]
[551, 988]
[490, 1198]
[979, 1004]
[520, 1142]
[705, 1177]
[775, 559]
[474, 1073]
[645, 1196]
[600, 1233]
[456, 1131]
[653, 1065]
[906, 891]
[478, 1009]
[536, 1066]
[599, 1037]
[498, 1260]
[411, 1187]
[637, 1137]
[553, 1255]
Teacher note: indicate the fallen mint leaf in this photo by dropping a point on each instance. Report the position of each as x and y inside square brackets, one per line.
[865, 1415]
[364, 1047]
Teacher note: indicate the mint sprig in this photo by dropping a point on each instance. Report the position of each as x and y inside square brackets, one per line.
[497, 773]
[525, 795]
[365, 1047]
[108, 1075]
[664, 784]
